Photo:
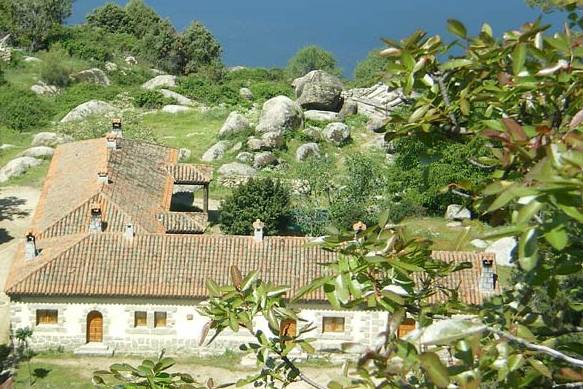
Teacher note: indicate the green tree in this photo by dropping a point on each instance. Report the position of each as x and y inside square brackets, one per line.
[371, 70]
[264, 199]
[199, 48]
[32, 20]
[55, 69]
[311, 58]
[111, 17]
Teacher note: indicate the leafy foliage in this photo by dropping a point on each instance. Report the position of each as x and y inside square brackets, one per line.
[151, 99]
[370, 71]
[22, 110]
[264, 199]
[54, 69]
[311, 58]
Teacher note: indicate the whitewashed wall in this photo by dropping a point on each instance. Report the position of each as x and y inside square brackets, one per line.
[184, 325]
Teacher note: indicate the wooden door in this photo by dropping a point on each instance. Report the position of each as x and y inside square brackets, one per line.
[94, 327]
[406, 326]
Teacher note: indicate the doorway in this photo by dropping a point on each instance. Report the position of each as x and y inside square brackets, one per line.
[94, 327]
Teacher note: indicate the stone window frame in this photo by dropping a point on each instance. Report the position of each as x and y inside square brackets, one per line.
[150, 328]
[348, 325]
[44, 328]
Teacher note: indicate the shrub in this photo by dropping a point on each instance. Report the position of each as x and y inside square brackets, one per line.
[264, 199]
[55, 69]
[248, 75]
[80, 93]
[311, 58]
[152, 99]
[22, 110]
[370, 71]
[132, 76]
[207, 91]
[199, 48]
[266, 90]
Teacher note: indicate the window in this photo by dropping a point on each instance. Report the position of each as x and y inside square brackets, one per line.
[140, 319]
[159, 319]
[47, 316]
[288, 327]
[333, 324]
[408, 325]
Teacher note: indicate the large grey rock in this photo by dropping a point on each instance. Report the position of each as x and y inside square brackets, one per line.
[280, 114]
[377, 101]
[336, 133]
[180, 99]
[50, 139]
[245, 157]
[321, 116]
[93, 76]
[272, 140]
[184, 154]
[38, 152]
[17, 167]
[42, 89]
[319, 90]
[313, 133]
[376, 124]
[31, 59]
[264, 159]
[245, 93]
[175, 108]
[235, 123]
[504, 249]
[457, 212]
[349, 107]
[254, 143]
[216, 151]
[307, 150]
[237, 169]
[131, 60]
[162, 81]
[111, 66]
[90, 108]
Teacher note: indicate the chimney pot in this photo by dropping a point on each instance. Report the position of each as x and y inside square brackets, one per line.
[359, 227]
[102, 177]
[112, 141]
[96, 225]
[116, 127]
[258, 226]
[130, 231]
[487, 276]
[30, 251]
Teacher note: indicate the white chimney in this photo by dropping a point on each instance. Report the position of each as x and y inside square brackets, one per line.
[130, 232]
[258, 230]
[487, 276]
[116, 127]
[30, 251]
[102, 177]
[95, 225]
[111, 140]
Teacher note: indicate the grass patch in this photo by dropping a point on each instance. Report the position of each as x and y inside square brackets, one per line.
[444, 237]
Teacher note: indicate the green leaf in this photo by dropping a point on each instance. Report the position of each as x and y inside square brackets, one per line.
[558, 237]
[342, 292]
[487, 29]
[456, 27]
[249, 280]
[306, 347]
[528, 211]
[407, 60]
[433, 367]
[528, 249]
[456, 64]
[540, 367]
[445, 332]
[213, 288]
[329, 290]
[419, 113]
[518, 58]
[515, 361]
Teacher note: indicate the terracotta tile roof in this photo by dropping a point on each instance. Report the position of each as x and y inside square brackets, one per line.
[183, 222]
[139, 189]
[177, 266]
[190, 174]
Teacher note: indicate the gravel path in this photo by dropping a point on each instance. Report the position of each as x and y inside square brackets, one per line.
[16, 207]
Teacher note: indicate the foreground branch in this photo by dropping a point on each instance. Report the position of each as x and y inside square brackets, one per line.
[302, 376]
[536, 347]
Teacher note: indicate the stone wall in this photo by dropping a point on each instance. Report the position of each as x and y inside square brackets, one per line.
[182, 332]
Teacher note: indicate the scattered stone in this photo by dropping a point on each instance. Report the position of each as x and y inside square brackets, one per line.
[457, 212]
[235, 123]
[38, 152]
[245, 157]
[111, 66]
[237, 147]
[264, 159]
[85, 110]
[307, 150]
[379, 143]
[280, 114]
[175, 108]
[300, 187]
[272, 140]
[376, 124]
[6, 146]
[349, 107]
[336, 133]
[321, 116]
[131, 60]
[235, 173]
[216, 151]
[93, 76]
[376, 101]
[180, 99]
[319, 90]
[31, 59]
[50, 139]
[162, 81]
[157, 72]
[245, 93]
[42, 89]
[313, 133]
[17, 167]
[254, 143]
[184, 154]
[479, 243]
[454, 224]
[504, 249]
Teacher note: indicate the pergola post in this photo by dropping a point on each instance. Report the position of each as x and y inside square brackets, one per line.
[205, 204]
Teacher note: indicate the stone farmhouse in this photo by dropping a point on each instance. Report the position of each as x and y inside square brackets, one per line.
[110, 265]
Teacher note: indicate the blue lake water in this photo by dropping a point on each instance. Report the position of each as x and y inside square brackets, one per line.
[268, 32]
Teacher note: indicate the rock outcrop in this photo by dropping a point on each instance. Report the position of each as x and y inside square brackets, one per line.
[376, 101]
[180, 99]
[162, 81]
[280, 114]
[307, 150]
[321, 116]
[235, 124]
[264, 159]
[245, 93]
[336, 133]
[50, 139]
[216, 151]
[38, 152]
[93, 76]
[43, 89]
[90, 108]
[456, 212]
[17, 167]
[319, 90]
[175, 108]
[235, 173]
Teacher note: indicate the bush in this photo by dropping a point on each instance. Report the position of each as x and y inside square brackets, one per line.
[370, 71]
[22, 110]
[129, 77]
[200, 48]
[55, 69]
[249, 75]
[312, 58]
[80, 93]
[264, 199]
[152, 99]
[266, 90]
[207, 91]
